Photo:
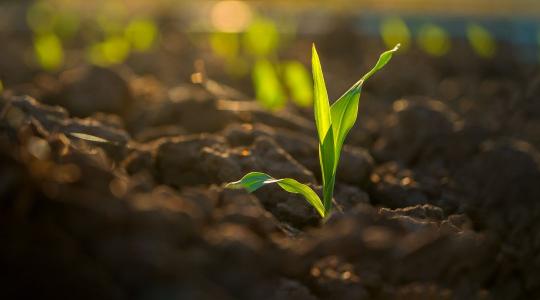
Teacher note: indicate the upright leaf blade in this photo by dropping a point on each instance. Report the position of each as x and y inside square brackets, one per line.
[345, 110]
[323, 119]
[254, 180]
[321, 106]
[333, 124]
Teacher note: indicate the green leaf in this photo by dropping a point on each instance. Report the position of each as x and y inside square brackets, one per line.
[321, 105]
[345, 110]
[333, 124]
[254, 180]
[383, 60]
[323, 120]
[327, 159]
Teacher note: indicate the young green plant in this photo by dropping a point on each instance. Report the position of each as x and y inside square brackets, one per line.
[333, 124]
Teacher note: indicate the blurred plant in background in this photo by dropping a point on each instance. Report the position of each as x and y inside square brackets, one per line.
[434, 40]
[246, 39]
[395, 31]
[109, 35]
[49, 51]
[481, 41]
[120, 35]
[249, 42]
[50, 24]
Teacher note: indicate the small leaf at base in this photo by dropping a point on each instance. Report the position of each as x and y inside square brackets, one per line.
[254, 180]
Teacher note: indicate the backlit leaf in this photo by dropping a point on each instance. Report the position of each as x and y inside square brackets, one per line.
[321, 106]
[327, 159]
[333, 124]
[345, 110]
[255, 180]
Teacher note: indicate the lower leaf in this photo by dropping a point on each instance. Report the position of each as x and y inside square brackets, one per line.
[254, 180]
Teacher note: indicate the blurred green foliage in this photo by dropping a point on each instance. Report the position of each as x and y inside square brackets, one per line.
[121, 37]
[481, 40]
[298, 81]
[225, 44]
[395, 31]
[110, 35]
[113, 50]
[268, 89]
[49, 52]
[261, 38]
[142, 34]
[43, 17]
[256, 49]
[50, 25]
[433, 40]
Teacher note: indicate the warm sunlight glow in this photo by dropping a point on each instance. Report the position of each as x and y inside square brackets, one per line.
[230, 16]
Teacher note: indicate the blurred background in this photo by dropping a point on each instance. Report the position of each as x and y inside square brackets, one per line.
[263, 47]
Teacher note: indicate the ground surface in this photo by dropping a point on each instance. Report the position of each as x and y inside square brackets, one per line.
[111, 187]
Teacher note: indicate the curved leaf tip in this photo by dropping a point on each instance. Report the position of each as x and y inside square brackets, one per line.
[254, 180]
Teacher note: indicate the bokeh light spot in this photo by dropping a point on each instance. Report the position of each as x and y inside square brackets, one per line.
[142, 34]
[39, 148]
[261, 38]
[49, 52]
[113, 50]
[433, 40]
[298, 81]
[481, 40]
[225, 44]
[268, 89]
[40, 17]
[230, 16]
[395, 31]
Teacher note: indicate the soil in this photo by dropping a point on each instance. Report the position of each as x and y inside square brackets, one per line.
[111, 187]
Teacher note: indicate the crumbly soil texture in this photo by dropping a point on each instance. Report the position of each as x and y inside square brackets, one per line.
[111, 187]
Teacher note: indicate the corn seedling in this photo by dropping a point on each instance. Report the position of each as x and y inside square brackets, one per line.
[333, 124]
